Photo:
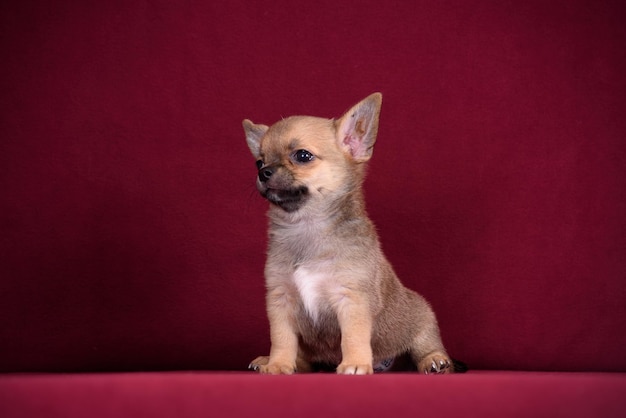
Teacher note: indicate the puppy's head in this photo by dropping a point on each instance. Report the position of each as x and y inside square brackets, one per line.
[304, 160]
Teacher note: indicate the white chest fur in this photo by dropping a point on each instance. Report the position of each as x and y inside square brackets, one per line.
[311, 285]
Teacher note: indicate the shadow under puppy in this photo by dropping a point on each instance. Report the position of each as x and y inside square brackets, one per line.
[332, 296]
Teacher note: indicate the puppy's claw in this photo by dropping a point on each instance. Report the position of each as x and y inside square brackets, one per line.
[433, 367]
[257, 363]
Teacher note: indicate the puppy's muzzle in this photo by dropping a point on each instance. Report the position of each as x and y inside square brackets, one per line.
[276, 184]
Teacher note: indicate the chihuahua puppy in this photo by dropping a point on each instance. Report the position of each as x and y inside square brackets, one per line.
[332, 296]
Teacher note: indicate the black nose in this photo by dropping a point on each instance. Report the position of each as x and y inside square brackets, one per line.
[265, 173]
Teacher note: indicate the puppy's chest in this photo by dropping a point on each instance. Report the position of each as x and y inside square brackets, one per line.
[316, 289]
[313, 249]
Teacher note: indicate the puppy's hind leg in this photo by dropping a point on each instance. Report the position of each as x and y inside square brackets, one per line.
[428, 354]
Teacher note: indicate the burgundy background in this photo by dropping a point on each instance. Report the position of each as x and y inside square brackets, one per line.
[132, 237]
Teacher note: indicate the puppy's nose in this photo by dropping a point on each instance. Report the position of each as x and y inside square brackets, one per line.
[265, 173]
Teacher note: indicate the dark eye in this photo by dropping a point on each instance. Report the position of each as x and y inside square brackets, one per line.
[303, 156]
[259, 164]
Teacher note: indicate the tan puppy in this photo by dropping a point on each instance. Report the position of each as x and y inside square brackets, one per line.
[332, 296]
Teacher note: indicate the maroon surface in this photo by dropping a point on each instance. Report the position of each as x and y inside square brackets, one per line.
[492, 394]
[132, 237]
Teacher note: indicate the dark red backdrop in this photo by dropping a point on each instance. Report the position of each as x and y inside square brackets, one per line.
[132, 236]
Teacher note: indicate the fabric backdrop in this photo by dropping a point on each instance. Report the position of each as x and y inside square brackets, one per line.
[132, 236]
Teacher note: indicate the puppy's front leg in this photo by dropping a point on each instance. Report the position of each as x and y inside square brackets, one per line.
[355, 321]
[283, 337]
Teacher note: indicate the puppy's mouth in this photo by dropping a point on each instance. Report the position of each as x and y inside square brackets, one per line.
[289, 200]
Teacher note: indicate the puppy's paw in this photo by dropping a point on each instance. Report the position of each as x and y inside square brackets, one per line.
[349, 368]
[435, 363]
[277, 368]
[262, 365]
[258, 362]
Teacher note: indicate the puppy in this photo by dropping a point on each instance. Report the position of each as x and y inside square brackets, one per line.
[332, 296]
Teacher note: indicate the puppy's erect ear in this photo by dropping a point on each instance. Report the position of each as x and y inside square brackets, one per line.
[357, 129]
[254, 133]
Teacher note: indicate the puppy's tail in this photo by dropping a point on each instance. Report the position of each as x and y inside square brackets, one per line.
[459, 366]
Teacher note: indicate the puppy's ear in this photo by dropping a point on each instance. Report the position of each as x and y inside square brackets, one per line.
[357, 129]
[254, 133]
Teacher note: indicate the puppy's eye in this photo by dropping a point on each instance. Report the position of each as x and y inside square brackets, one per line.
[259, 164]
[303, 156]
